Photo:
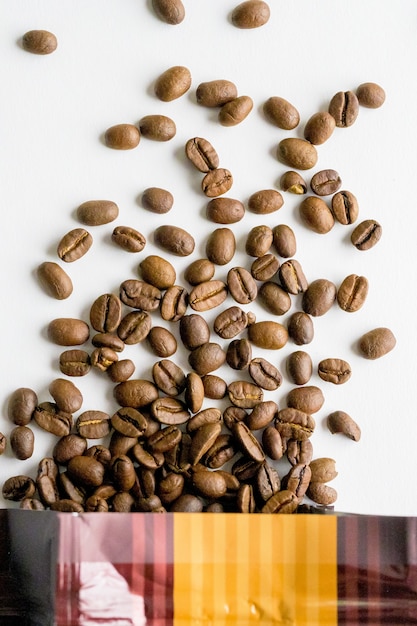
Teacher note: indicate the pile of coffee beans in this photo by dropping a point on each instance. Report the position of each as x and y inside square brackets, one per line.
[189, 439]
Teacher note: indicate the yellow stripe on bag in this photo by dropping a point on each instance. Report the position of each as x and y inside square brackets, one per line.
[274, 570]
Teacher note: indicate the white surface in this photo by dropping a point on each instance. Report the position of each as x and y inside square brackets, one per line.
[53, 112]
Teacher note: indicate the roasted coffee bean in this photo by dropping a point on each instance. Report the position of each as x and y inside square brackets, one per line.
[202, 154]
[22, 402]
[74, 245]
[187, 503]
[86, 471]
[209, 484]
[261, 415]
[245, 469]
[235, 111]
[268, 335]
[169, 11]
[207, 358]
[341, 422]
[370, 95]
[108, 340]
[366, 234]
[162, 342]
[151, 504]
[344, 107]
[298, 479]
[69, 490]
[230, 322]
[177, 459]
[50, 418]
[168, 377]
[199, 271]
[297, 153]
[146, 457]
[284, 501]
[294, 424]
[345, 207]
[319, 297]
[241, 285]
[299, 451]
[96, 504]
[175, 240]
[225, 210]
[264, 374]
[323, 470]
[31, 504]
[54, 280]
[118, 444]
[194, 392]
[66, 505]
[103, 358]
[170, 488]
[128, 238]
[293, 182]
[217, 182]
[22, 442]
[215, 93]
[300, 328]
[245, 499]
[214, 387]
[3, 443]
[164, 439]
[157, 200]
[122, 472]
[308, 399]
[322, 494]
[264, 267]
[336, 371]
[244, 394]
[18, 488]
[157, 127]
[299, 367]
[66, 331]
[239, 354]
[259, 240]
[221, 246]
[66, 395]
[74, 362]
[250, 14]
[170, 411]
[123, 502]
[67, 447]
[194, 331]
[376, 343]
[121, 370]
[274, 298]
[134, 327]
[93, 424]
[122, 137]
[174, 303]
[319, 127]
[202, 440]
[129, 422]
[316, 215]
[233, 414]
[267, 481]
[136, 393]
[158, 272]
[173, 83]
[325, 182]
[272, 443]
[281, 113]
[39, 42]
[46, 481]
[139, 294]
[97, 212]
[208, 295]
[222, 451]
[265, 201]
[105, 313]
[284, 241]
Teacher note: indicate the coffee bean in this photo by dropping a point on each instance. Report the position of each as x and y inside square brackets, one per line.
[168, 377]
[169, 411]
[211, 415]
[225, 210]
[169, 11]
[222, 451]
[134, 327]
[96, 504]
[293, 182]
[129, 422]
[3, 443]
[297, 153]
[298, 479]
[284, 241]
[268, 335]
[370, 95]
[259, 240]
[264, 374]
[121, 370]
[187, 503]
[319, 128]
[67, 447]
[174, 303]
[241, 285]
[173, 83]
[157, 200]
[323, 470]
[248, 443]
[105, 313]
[284, 502]
[230, 322]
[97, 212]
[345, 207]
[341, 422]
[18, 488]
[281, 113]
[174, 239]
[272, 443]
[217, 182]
[194, 331]
[157, 271]
[295, 424]
[215, 93]
[235, 111]
[93, 424]
[376, 343]
[319, 297]
[39, 42]
[122, 137]
[366, 234]
[245, 469]
[66, 395]
[103, 358]
[316, 215]
[299, 367]
[22, 442]
[325, 182]
[162, 342]
[74, 245]
[86, 471]
[250, 14]
[74, 362]
[146, 457]
[50, 418]
[202, 154]
[207, 358]
[214, 387]
[108, 340]
[165, 439]
[157, 127]
[299, 451]
[31, 504]
[22, 402]
[208, 295]
[202, 440]
[267, 481]
[261, 415]
[221, 246]
[344, 107]
[264, 267]
[265, 201]
[199, 271]
[66, 505]
[308, 399]
[139, 294]
[135, 393]
[194, 392]
[128, 238]
[233, 414]
[244, 394]
[322, 494]
[54, 280]
[336, 371]
[300, 328]
[292, 278]
[274, 298]
[239, 354]
[170, 488]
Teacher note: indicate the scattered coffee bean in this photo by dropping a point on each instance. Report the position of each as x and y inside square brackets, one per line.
[157, 127]
[301, 328]
[18, 488]
[157, 200]
[241, 285]
[66, 395]
[316, 215]
[284, 502]
[325, 182]
[366, 235]
[208, 295]
[135, 393]
[93, 424]
[321, 493]
[22, 442]
[274, 298]
[250, 14]
[215, 93]
[293, 182]
[3, 443]
[21, 405]
[214, 387]
[299, 367]
[370, 95]
[377, 343]
[121, 370]
[230, 322]
[225, 210]
[259, 241]
[207, 358]
[162, 341]
[169, 11]
[264, 267]
[352, 293]
[308, 399]
[292, 278]
[265, 201]
[168, 377]
[139, 294]
[157, 271]
[202, 154]
[174, 239]
[235, 111]
[194, 331]
[268, 335]
[194, 392]
[319, 128]
[294, 424]
[284, 241]
[281, 113]
[173, 83]
[264, 374]
[217, 182]
[97, 212]
[323, 470]
[122, 137]
[221, 246]
[319, 297]
[105, 313]
[239, 354]
[344, 107]
[297, 153]
[39, 42]
[345, 207]
[55, 280]
[74, 245]
[74, 362]
[341, 422]
[134, 327]
[66, 331]
[128, 238]
[48, 416]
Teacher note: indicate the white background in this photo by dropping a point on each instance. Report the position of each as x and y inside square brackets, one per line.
[53, 113]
